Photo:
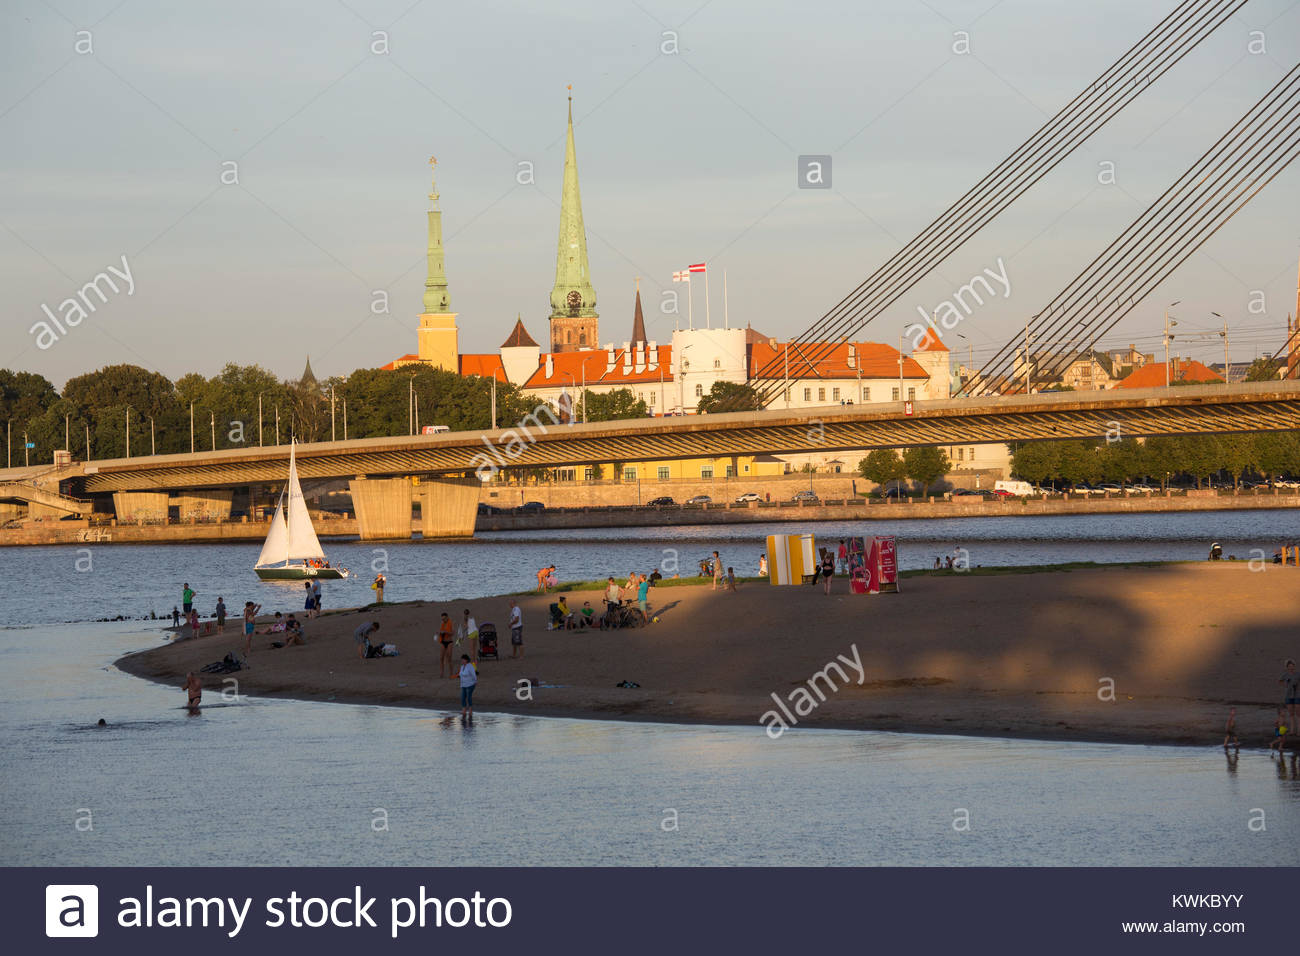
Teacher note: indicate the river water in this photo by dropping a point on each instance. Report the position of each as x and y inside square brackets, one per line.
[263, 781]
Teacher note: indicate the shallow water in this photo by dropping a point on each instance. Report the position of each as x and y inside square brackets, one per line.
[268, 782]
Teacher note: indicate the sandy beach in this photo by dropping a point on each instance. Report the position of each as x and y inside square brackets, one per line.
[1014, 654]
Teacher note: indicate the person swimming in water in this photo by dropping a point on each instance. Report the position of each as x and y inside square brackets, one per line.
[194, 689]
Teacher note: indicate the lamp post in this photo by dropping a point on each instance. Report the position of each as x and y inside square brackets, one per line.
[191, 428]
[574, 382]
[682, 366]
[333, 437]
[26, 456]
[1224, 336]
[1169, 324]
[153, 443]
[128, 431]
[259, 419]
[214, 430]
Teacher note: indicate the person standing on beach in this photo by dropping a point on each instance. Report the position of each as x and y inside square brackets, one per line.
[193, 690]
[362, 637]
[378, 586]
[194, 623]
[221, 615]
[446, 635]
[516, 631]
[310, 603]
[471, 634]
[717, 570]
[315, 595]
[187, 599]
[731, 579]
[1230, 729]
[762, 565]
[843, 556]
[828, 569]
[1280, 730]
[1290, 681]
[643, 598]
[176, 616]
[468, 681]
[250, 624]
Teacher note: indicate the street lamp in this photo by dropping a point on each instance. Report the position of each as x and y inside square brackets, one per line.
[1169, 324]
[682, 366]
[574, 382]
[1224, 335]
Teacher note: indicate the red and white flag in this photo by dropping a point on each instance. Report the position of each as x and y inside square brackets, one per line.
[697, 267]
[682, 276]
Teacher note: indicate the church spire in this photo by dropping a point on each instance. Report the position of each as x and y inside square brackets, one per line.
[638, 319]
[573, 299]
[437, 298]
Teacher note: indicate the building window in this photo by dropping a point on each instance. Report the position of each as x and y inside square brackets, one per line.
[582, 338]
[807, 394]
[699, 391]
[835, 394]
[866, 393]
[588, 473]
[746, 469]
[568, 336]
[652, 399]
[961, 454]
[629, 473]
[911, 394]
[662, 472]
[731, 471]
[895, 394]
[717, 363]
[706, 471]
[821, 394]
[972, 452]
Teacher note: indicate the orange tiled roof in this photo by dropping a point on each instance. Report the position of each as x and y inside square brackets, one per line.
[874, 360]
[570, 368]
[489, 366]
[930, 343]
[406, 359]
[1152, 375]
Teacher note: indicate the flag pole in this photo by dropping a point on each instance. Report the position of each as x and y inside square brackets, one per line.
[726, 319]
[708, 322]
[690, 305]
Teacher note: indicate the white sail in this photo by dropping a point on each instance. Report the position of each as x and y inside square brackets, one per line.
[273, 552]
[302, 541]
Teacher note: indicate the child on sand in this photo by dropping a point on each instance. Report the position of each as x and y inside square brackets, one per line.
[250, 625]
[1230, 730]
[731, 579]
[1279, 733]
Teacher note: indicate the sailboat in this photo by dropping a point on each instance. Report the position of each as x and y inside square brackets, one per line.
[292, 551]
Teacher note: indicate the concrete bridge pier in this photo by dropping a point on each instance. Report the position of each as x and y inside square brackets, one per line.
[133, 506]
[448, 507]
[383, 507]
[207, 505]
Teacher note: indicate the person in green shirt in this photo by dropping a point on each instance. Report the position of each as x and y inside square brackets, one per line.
[187, 598]
[587, 613]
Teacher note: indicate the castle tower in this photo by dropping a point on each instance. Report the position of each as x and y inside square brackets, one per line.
[437, 338]
[574, 322]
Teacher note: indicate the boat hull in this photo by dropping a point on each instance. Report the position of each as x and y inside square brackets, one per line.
[300, 573]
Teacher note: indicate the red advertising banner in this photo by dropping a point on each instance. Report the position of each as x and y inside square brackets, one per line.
[887, 566]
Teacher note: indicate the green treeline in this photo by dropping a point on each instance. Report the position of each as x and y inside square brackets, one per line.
[225, 408]
[1196, 457]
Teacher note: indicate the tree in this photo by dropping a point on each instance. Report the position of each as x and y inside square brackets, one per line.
[615, 405]
[1036, 461]
[1120, 460]
[882, 466]
[1263, 370]
[1079, 462]
[24, 395]
[1277, 453]
[729, 397]
[926, 464]
[1237, 454]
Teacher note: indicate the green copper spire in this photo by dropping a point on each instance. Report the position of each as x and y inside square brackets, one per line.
[437, 299]
[573, 295]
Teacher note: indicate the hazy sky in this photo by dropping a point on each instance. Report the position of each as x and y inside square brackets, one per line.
[684, 156]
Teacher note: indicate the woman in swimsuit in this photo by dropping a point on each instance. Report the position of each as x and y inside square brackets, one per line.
[446, 634]
[194, 689]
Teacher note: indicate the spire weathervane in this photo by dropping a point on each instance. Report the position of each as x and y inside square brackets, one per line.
[433, 182]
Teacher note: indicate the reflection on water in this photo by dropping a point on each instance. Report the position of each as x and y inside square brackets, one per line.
[283, 782]
[50, 584]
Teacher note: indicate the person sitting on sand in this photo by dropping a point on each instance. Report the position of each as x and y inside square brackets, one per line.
[585, 615]
[564, 614]
[293, 632]
[194, 689]
[276, 626]
[1279, 733]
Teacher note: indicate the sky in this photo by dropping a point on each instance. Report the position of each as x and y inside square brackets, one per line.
[120, 119]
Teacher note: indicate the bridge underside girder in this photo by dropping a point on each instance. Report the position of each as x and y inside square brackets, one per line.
[1193, 410]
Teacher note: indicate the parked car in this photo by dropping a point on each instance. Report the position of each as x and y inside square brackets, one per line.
[895, 493]
[1001, 493]
[1112, 487]
[806, 495]
[968, 493]
[1141, 486]
[748, 496]
[700, 500]
[661, 502]
[531, 507]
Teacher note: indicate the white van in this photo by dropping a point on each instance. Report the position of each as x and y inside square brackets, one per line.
[1021, 489]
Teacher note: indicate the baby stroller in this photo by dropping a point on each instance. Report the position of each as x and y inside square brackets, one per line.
[487, 641]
